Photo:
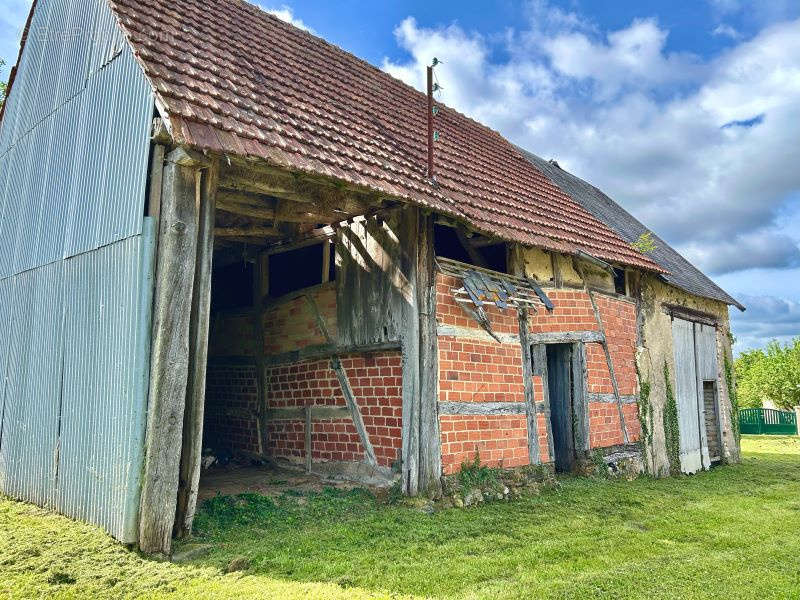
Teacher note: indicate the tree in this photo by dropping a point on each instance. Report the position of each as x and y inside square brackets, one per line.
[3, 84]
[770, 374]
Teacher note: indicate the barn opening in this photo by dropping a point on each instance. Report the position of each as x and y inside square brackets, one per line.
[560, 388]
[260, 312]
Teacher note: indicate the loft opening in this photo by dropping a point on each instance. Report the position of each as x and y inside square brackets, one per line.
[620, 281]
[453, 242]
[299, 268]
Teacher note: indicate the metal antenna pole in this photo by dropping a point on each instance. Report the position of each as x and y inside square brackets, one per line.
[430, 122]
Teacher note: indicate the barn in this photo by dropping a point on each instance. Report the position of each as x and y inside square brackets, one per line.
[220, 231]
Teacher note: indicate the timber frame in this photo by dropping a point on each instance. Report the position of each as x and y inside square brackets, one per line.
[219, 208]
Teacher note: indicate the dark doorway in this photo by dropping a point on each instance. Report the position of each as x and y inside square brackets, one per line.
[559, 382]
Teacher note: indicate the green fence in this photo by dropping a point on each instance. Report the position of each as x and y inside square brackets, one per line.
[767, 421]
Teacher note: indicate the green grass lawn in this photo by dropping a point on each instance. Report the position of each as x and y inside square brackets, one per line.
[733, 532]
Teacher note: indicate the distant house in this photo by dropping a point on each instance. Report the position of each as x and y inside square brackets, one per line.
[220, 231]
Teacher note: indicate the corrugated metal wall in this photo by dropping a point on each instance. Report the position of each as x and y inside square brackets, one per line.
[76, 258]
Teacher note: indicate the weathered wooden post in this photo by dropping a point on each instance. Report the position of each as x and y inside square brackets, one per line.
[169, 361]
[430, 449]
[192, 451]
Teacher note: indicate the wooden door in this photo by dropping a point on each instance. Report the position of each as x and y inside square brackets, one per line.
[559, 381]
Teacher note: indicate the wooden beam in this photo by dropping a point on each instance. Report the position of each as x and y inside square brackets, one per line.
[247, 232]
[606, 351]
[539, 355]
[482, 408]
[475, 256]
[315, 236]
[192, 452]
[258, 182]
[326, 261]
[260, 293]
[156, 179]
[169, 358]
[430, 447]
[347, 390]
[527, 376]
[308, 426]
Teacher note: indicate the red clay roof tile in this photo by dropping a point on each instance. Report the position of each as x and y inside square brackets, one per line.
[235, 79]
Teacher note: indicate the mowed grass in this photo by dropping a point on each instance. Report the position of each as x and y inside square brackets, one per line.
[733, 532]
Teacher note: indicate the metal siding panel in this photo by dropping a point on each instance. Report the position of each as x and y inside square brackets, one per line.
[28, 455]
[110, 205]
[77, 180]
[73, 172]
[686, 395]
[104, 399]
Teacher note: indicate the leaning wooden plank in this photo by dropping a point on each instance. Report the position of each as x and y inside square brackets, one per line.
[344, 383]
[169, 362]
[191, 455]
[530, 402]
[606, 351]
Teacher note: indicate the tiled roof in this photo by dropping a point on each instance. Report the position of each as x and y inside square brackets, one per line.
[681, 273]
[234, 79]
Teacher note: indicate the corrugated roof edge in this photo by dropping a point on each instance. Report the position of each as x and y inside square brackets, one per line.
[681, 273]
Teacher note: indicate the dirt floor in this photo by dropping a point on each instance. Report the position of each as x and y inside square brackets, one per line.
[267, 480]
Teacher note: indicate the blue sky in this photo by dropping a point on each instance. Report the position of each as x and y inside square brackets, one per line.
[687, 113]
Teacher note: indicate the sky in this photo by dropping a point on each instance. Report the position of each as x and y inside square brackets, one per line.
[686, 113]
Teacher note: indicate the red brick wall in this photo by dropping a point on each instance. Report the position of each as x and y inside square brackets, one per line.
[477, 371]
[376, 380]
[230, 420]
[292, 325]
[604, 427]
[501, 440]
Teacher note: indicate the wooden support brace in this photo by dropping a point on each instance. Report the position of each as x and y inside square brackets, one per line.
[430, 444]
[539, 354]
[347, 390]
[308, 438]
[530, 402]
[606, 351]
[192, 451]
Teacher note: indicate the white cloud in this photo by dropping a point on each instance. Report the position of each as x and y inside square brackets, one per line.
[285, 13]
[633, 56]
[767, 318]
[645, 125]
[726, 31]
